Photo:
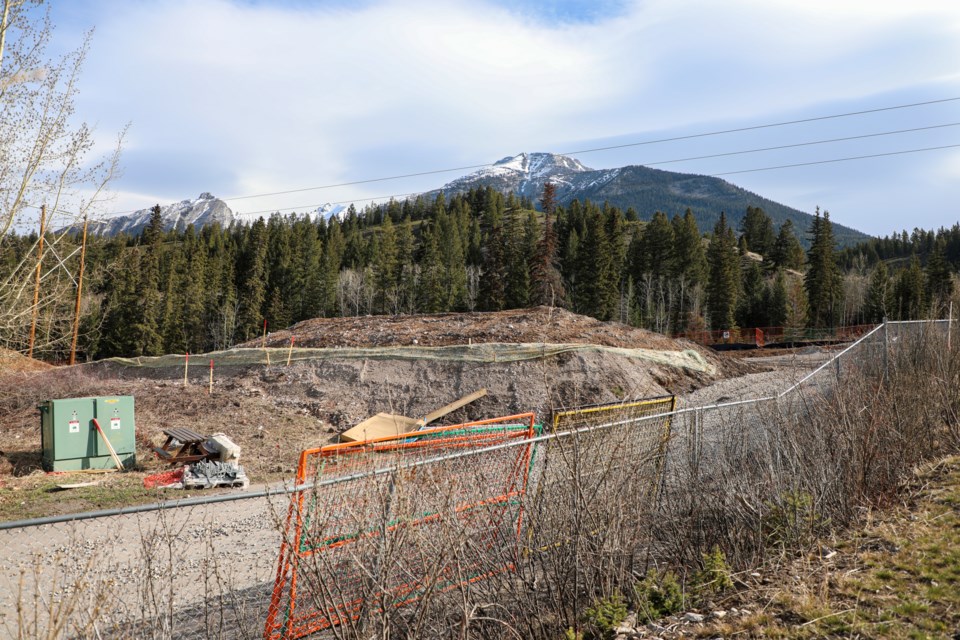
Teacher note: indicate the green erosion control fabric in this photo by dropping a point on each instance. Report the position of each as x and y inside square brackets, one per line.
[488, 352]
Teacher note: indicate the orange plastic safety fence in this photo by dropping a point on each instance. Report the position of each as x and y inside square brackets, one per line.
[375, 530]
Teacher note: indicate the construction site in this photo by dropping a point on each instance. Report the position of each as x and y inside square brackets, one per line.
[342, 371]
[397, 470]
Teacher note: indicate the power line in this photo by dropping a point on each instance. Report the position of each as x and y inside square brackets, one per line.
[807, 164]
[626, 145]
[711, 175]
[767, 126]
[585, 151]
[801, 144]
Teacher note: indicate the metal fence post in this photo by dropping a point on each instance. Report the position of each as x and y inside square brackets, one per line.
[949, 326]
[886, 348]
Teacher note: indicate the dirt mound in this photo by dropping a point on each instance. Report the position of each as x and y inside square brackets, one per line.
[274, 411]
[539, 324]
[13, 362]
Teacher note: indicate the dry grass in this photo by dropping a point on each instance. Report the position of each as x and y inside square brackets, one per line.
[896, 577]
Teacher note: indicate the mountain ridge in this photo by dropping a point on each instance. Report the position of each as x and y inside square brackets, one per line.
[201, 211]
[645, 189]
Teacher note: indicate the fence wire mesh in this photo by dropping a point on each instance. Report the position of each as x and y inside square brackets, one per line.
[432, 534]
[361, 542]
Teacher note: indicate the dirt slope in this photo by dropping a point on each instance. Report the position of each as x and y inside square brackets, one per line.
[275, 411]
[12, 361]
[539, 324]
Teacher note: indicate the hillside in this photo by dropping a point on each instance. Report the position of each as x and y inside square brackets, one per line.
[646, 190]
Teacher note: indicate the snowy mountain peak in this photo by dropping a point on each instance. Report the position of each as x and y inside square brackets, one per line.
[541, 163]
[328, 211]
[200, 212]
[526, 173]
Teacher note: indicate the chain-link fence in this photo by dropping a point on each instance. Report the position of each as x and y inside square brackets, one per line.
[489, 530]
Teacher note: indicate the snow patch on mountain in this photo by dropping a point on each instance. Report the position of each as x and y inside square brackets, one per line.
[325, 211]
[526, 173]
[199, 212]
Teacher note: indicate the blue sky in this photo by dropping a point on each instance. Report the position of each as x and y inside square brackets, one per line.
[250, 97]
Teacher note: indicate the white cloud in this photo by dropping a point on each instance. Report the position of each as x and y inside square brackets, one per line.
[267, 97]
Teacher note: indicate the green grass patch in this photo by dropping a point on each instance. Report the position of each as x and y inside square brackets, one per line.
[36, 497]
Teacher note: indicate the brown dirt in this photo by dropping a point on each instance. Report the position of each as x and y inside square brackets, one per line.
[539, 324]
[274, 412]
[12, 361]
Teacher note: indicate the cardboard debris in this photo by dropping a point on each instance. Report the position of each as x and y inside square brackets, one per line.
[381, 425]
[77, 485]
[384, 425]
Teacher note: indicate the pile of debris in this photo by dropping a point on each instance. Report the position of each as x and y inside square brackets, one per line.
[212, 463]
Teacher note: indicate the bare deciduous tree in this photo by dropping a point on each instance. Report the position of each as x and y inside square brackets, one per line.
[45, 159]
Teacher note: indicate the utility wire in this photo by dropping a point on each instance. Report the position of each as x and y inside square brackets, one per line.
[807, 164]
[622, 146]
[801, 144]
[584, 151]
[766, 126]
[711, 175]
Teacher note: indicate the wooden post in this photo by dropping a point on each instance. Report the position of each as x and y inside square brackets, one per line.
[290, 351]
[210, 390]
[76, 311]
[113, 453]
[36, 288]
[186, 365]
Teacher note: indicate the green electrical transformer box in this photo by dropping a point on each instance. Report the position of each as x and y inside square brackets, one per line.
[70, 440]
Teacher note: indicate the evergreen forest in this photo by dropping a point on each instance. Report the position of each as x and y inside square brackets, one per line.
[202, 290]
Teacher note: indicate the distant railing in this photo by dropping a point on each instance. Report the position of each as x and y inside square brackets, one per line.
[766, 336]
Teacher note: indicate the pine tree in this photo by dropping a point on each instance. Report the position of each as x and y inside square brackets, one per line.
[751, 310]
[787, 252]
[172, 324]
[146, 325]
[386, 267]
[119, 335]
[546, 283]
[493, 278]
[253, 290]
[724, 277]
[939, 281]
[756, 228]
[877, 305]
[690, 263]
[823, 280]
[776, 301]
[908, 291]
[657, 242]
[452, 247]
[599, 293]
[432, 295]
[517, 293]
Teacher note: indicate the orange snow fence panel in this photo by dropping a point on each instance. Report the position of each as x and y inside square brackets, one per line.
[373, 525]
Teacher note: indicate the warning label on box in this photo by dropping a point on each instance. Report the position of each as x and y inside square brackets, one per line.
[74, 426]
[114, 423]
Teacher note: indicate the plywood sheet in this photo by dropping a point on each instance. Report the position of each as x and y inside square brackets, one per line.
[379, 426]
